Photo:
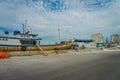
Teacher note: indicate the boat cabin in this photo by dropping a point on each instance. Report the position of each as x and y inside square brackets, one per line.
[18, 38]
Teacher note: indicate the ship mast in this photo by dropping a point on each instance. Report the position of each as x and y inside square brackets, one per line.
[24, 25]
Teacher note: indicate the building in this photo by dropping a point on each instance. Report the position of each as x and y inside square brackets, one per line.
[115, 38]
[98, 38]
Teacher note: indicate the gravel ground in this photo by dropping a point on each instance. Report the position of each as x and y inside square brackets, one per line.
[96, 65]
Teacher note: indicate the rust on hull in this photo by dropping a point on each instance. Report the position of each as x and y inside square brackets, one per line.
[35, 48]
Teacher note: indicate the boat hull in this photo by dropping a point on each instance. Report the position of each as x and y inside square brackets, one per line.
[33, 48]
[9, 48]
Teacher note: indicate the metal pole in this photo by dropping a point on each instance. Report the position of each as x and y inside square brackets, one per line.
[59, 36]
[24, 25]
[59, 32]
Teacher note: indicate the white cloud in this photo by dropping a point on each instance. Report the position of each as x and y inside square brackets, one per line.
[76, 19]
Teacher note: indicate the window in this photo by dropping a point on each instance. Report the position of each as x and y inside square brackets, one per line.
[4, 39]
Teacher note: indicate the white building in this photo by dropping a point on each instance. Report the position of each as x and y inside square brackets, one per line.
[98, 37]
[115, 38]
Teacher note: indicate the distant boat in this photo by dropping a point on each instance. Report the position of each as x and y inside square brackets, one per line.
[26, 42]
[58, 46]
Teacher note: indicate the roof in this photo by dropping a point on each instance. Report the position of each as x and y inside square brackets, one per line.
[20, 38]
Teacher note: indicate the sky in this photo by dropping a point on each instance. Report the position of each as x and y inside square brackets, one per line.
[74, 18]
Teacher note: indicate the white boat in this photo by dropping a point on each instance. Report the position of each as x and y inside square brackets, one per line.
[18, 40]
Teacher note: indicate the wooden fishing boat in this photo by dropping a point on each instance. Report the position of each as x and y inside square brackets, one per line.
[29, 43]
[26, 42]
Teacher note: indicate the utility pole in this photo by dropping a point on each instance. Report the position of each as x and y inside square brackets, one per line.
[59, 33]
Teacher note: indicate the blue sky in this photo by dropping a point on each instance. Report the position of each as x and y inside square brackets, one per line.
[76, 18]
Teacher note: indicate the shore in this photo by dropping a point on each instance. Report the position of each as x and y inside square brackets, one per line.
[53, 52]
[95, 65]
[46, 53]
